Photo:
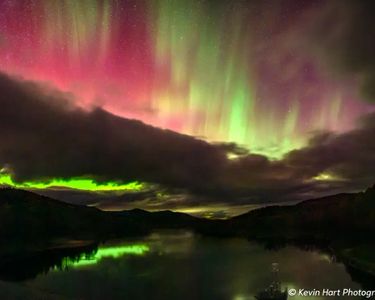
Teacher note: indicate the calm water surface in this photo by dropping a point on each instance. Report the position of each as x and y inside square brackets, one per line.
[180, 265]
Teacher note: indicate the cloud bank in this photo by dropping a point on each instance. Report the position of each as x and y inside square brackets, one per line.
[43, 135]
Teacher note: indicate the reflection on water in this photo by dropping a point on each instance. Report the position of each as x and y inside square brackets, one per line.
[179, 265]
[21, 266]
[97, 255]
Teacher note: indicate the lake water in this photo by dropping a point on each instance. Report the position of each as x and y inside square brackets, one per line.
[180, 265]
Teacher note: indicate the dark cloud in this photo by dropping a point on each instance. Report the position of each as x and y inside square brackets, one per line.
[42, 136]
[350, 155]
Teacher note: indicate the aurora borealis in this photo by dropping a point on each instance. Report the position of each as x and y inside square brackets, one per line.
[262, 78]
[224, 72]
[77, 183]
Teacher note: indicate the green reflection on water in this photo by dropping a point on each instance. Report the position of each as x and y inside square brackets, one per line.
[95, 257]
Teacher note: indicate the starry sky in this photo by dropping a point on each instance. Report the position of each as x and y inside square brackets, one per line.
[191, 105]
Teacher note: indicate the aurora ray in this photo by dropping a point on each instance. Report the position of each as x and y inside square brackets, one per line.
[217, 71]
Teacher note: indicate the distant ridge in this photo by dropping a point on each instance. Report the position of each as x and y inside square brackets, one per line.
[344, 223]
[28, 217]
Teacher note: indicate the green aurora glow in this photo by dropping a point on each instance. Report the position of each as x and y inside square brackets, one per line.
[85, 184]
[105, 252]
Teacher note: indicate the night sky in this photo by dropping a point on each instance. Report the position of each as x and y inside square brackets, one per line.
[206, 107]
